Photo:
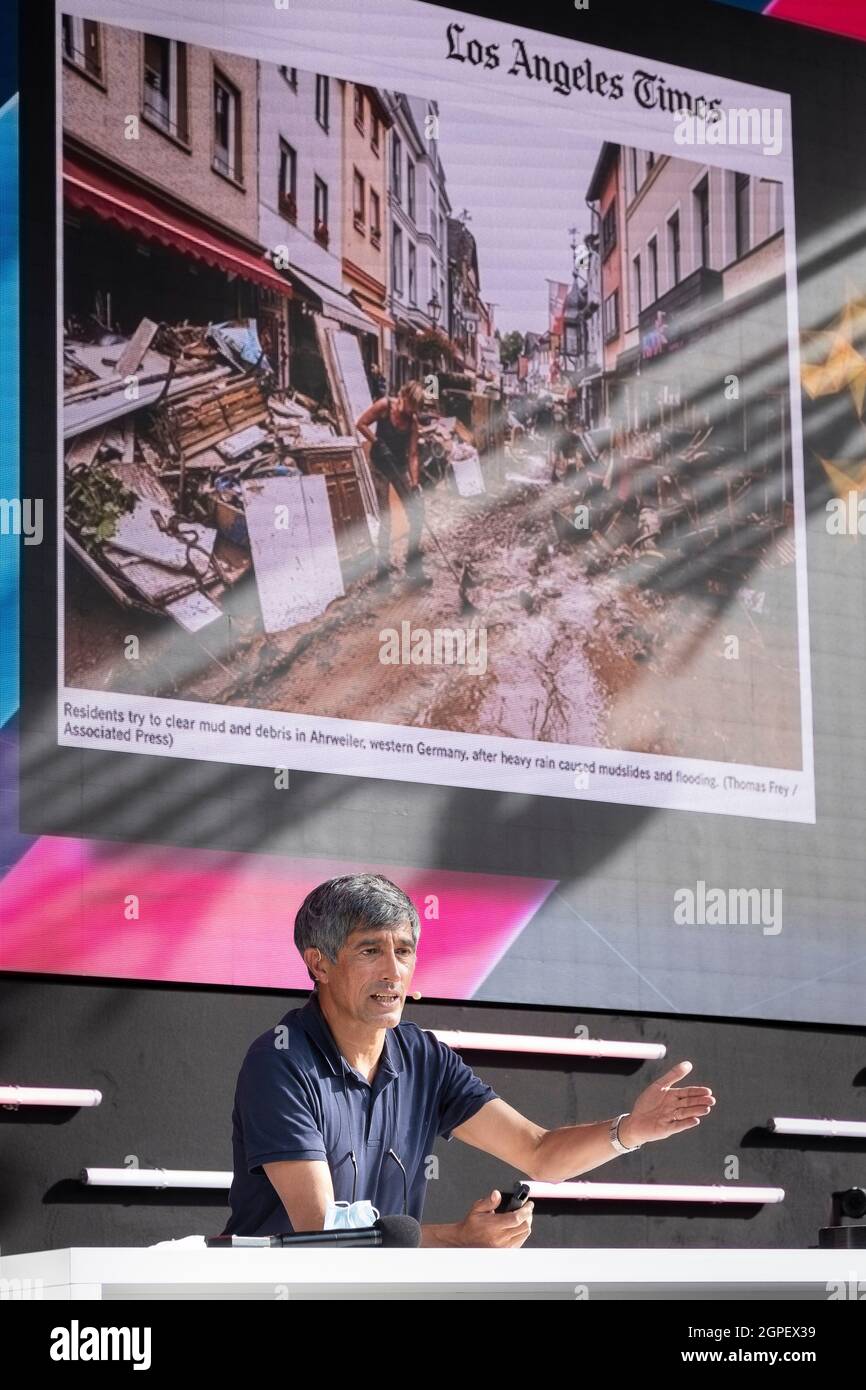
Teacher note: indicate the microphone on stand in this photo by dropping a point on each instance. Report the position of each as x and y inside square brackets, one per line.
[389, 1232]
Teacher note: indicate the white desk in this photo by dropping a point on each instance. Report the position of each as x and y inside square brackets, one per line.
[152, 1273]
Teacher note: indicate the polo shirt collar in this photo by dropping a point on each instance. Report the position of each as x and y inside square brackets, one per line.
[315, 1025]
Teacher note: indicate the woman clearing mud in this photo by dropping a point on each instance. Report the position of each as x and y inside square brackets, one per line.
[394, 456]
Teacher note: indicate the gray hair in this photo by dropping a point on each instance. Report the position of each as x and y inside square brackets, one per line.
[330, 913]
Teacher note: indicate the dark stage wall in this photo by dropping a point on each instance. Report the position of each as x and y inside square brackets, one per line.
[166, 1061]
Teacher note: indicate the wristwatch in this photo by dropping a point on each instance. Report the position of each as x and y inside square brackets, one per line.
[615, 1139]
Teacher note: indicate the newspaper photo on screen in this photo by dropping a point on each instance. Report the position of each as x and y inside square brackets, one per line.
[429, 412]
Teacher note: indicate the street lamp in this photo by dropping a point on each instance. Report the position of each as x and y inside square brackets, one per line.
[434, 308]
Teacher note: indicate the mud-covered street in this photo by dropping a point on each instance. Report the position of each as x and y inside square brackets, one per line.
[569, 656]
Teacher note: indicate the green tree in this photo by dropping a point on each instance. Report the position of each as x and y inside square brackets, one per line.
[510, 348]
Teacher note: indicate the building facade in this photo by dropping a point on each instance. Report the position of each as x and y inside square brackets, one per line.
[419, 210]
[366, 123]
[467, 313]
[160, 168]
[606, 194]
[701, 275]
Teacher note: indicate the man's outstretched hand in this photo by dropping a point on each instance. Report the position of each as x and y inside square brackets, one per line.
[661, 1111]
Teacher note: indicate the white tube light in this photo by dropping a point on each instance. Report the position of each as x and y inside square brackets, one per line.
[829, 1129]
[13, 1096]
[651, 1192]
[154, 1177]
[557, 1047]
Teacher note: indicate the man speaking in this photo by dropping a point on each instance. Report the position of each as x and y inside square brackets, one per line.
[341, 1101]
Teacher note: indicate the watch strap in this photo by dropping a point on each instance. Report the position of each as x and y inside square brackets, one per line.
[615, 1140]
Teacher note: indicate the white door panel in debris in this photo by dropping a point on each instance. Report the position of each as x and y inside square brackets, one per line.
[348, 353]
[293, 547]
[341, 354]
[326, 561]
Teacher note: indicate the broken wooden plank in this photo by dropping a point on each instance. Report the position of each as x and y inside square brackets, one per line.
[130, 358]
[138, 533]
[99, 573]
[79, 416]
[113, 439]
[83, 450]
[466, 436]
[207, 418]
[153, 582]
[242, 442]
[128, 439]
[143, 480]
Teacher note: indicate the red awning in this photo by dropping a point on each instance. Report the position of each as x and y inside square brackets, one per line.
[135, 211]
[374, 310]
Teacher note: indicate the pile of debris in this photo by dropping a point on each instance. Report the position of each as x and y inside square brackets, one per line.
[165, 434]
[448, 444]
[663, 499]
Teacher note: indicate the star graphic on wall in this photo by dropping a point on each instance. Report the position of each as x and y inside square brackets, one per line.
[837, 364]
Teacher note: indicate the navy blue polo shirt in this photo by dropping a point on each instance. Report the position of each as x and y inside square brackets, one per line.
[298, 1098]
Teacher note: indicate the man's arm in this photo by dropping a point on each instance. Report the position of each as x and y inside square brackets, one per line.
[544, 1155]
[499, 1129]
[440, 1237]
[305, 1188]
[555, 1155]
